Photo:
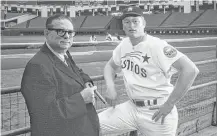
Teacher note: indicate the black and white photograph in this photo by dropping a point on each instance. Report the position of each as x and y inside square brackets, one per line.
[108, 68]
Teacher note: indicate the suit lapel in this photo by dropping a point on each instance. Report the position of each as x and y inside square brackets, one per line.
[60, 65]
[73, 67]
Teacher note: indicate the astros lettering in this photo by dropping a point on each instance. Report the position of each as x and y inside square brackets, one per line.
[130, 65]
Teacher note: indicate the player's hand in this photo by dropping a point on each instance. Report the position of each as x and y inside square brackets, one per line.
[162, 111]
[88, 94]
[111, 95]
[110, 102]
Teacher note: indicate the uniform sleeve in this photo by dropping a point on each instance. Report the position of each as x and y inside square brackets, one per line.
[167, 55]
[117, 55]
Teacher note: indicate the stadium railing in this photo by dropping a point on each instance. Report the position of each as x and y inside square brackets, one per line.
[152, 30]
[183, 30]
[96, 43]
[195, 113]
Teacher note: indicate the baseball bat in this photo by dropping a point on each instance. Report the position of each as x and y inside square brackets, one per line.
[99, 95]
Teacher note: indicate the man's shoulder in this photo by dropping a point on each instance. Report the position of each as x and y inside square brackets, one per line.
[154, 39]
[123, 43]
[156, 42]
[39, 59]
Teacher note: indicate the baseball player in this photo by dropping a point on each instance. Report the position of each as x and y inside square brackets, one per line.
[93, 38]
[108, 37]
[147, 64]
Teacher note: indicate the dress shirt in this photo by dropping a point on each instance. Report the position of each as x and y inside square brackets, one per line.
[60, 56]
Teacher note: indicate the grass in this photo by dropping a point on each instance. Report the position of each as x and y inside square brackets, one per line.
[30, 39]
[14, 114]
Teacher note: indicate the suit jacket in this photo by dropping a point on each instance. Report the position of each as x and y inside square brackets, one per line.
[52, 94]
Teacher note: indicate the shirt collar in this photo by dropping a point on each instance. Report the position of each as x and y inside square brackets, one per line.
[60, 56]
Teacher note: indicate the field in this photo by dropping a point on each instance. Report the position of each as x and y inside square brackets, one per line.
[32, 39]
[13, 77]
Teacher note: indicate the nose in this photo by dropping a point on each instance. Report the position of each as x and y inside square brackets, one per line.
[66, 36]
[131, 25]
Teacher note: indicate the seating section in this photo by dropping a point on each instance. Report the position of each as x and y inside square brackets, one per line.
[115, 23]
[55, 2]
[19, 2]
[38, 22]
[21, 25]
[154, 20]
[155, 23]
[12, 15]
[207, 19]
[2, 15]
[178, 19]
[11, 2]
[2, 24]
[30, 2]
[78, 21]
[96, 22]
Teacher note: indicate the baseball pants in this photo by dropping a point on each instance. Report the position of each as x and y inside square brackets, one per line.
[127, 117]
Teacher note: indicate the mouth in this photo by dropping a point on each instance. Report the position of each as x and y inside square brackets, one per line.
[132, 31]
[64, 42]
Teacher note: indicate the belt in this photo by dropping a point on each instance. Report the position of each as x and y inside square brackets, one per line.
[145, 102]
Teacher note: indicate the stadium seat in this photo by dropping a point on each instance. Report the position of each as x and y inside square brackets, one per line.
[207, 19]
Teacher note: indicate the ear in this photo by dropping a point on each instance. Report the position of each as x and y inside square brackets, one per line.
[144, 22]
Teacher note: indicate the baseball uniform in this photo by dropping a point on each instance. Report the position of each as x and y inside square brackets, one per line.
[108, 37]
[147, 70]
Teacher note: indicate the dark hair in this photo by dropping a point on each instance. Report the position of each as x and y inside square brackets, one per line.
[57, 17]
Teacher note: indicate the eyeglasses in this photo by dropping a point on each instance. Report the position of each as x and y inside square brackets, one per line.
[62, 32]
[127, 22]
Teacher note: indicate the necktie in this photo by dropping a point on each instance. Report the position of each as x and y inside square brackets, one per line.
[67, 60]
[71, 66]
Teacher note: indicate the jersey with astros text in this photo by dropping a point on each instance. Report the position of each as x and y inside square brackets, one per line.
[147, 67]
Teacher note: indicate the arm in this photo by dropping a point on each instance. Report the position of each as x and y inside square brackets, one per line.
[109, 75]
[187, 74]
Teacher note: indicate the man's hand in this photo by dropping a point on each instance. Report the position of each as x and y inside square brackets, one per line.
[88, 84]
[111, 95]
[162, 112]
[88, 94]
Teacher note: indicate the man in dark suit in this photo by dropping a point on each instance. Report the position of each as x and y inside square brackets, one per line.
[56, 91]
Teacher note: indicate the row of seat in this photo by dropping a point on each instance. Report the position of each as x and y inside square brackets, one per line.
[9, 15]
[168, 20]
